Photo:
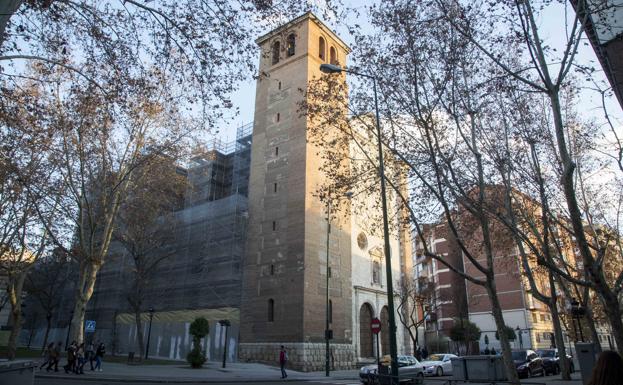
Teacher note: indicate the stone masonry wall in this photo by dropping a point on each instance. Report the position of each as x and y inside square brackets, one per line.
[305, 356]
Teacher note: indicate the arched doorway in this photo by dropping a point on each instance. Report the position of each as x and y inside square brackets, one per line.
[365, 334]
[384, 331]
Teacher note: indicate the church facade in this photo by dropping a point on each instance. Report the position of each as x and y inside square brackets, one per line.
[285, 268]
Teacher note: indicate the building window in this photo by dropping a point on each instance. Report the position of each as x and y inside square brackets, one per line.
[274, 225]
[534, 318]
[333, 56]
[321, 49]
[330, 311]
[276, 151]
[271, 310]
[276, 48]
[275, 187]
[538, 337]
[272, 269]
[279, 85]
[542, 317]
[376, 272]
[277, 117]
[291, 45]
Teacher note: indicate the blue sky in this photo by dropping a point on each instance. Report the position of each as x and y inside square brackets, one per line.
[552, 29]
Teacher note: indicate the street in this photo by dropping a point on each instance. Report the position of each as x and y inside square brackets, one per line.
[63, 381]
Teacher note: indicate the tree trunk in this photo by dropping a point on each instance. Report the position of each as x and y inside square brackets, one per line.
[84, 291]
[14, 289]
[612, 306]
[48, 325]
[613, 312]
[496, 309]
[590, 321]
[139, 333]
[565, 367]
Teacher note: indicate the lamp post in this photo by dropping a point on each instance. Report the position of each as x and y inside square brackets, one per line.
[577, 312]
[151, 318]
[328, 333]
[330, 69]
[226, 324]
[71, 317]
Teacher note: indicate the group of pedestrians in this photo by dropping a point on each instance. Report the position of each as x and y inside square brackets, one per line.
[77, 356]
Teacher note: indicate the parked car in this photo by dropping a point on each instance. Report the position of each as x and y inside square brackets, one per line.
[438, 364]
[528, 363]
[409, 369]
[551, 360]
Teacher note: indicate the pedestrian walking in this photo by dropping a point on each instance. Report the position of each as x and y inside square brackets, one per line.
[71, 358]
[418, 353]
[80, 359]
[487, 352]
[608, 370]
[424, 353]
[493, 352]
[47, 355]
[55, 357]
[283, 359]
[99, 356]
[90, 354]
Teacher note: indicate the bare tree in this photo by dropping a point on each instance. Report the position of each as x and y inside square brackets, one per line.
[147, 228]
[544, 69]
[22, 180]
[46, 282]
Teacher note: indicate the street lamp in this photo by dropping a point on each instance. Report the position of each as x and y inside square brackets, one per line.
[151, 318]
[577, 312]
[328, 333]
[331, 69]
[225, 323]
[518, 330]
[71, 317]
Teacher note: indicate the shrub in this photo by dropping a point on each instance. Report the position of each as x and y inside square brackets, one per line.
[198, 329]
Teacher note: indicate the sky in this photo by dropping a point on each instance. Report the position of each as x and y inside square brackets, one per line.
[552, 27]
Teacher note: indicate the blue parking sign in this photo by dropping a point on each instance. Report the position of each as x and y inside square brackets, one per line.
[89, 326]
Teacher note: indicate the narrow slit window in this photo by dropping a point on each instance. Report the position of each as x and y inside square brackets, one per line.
[279, 85]
[276, 151]
[274, 225]
[333, 56]
[321, 48]
[275, 187]
[291, 45]
[278, 118]
[271, 310]
[276, 49]
[272, 269]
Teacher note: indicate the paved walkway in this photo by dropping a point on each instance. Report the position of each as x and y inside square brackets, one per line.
[237, 373]
[211, 372]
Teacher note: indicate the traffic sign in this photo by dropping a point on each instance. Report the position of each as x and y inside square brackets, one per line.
[89, 326]
[375, 325]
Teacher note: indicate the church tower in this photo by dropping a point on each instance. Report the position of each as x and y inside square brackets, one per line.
[284, 270]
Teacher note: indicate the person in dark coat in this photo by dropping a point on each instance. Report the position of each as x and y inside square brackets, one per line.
[283, 359]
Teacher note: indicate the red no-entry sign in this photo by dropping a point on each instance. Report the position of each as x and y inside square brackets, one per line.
[375, 325]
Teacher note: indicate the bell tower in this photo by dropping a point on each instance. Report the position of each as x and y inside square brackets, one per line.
[285, 265]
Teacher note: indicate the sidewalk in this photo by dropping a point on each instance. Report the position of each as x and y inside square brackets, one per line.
[238, 373]
[211, 372]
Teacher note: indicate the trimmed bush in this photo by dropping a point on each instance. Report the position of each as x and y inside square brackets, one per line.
[198, 329]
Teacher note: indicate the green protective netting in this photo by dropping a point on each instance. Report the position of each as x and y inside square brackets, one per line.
[212, 315]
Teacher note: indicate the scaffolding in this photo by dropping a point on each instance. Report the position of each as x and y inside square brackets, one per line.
[204, 272]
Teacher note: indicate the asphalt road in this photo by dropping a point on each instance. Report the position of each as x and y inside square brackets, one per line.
[61, 381]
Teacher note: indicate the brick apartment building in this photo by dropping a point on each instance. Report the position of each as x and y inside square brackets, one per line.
[453, 296]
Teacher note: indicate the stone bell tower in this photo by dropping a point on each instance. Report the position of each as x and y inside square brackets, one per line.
[284, 270]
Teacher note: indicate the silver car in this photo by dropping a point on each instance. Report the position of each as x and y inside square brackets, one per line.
[438, 364]
[409, 369]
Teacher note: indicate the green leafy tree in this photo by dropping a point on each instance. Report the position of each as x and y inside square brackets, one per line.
[510, 334]
[198, 329]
